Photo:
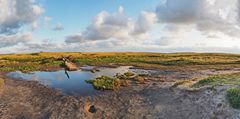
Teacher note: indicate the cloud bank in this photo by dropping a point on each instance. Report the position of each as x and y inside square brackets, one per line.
[194, 25]
[209, 16]
[116, 25]
[174, 18]
[14, 14]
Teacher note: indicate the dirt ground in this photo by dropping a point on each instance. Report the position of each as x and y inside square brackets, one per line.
[154, 100]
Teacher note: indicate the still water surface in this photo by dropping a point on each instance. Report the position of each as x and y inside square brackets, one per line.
[70, 83]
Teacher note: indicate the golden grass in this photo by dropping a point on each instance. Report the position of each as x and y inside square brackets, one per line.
[177, 61]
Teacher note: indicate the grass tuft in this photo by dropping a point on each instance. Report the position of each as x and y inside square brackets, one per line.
[231, 79]
[233, 96]
[105, 83]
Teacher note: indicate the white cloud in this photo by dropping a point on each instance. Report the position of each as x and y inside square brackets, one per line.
[116, 26]
[145, 22]
[76, 38]
[34, 25]
[175, 25]
[208, 15]
[15, 39]
[16, 13]
[105, 26]
[46, 20]
[58, 27]
[178, 11]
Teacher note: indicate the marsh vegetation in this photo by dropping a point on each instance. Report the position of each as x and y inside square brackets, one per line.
[180, 61]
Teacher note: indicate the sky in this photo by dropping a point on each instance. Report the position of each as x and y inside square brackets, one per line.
[119, 25]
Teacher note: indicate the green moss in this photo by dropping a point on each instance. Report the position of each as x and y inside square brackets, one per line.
[233, 96]
[105, 82]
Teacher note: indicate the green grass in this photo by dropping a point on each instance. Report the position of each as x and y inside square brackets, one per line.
[232, 79]
[233, 96]
[182, 61]
[105, 83]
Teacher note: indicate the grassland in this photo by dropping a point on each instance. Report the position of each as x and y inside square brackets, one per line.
[178, 61]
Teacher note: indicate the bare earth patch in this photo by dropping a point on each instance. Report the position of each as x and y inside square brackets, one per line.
[153, 99]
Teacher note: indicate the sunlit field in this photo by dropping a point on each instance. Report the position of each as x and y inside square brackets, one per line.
[190, 61]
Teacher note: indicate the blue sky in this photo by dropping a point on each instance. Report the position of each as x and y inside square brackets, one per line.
[119, 25]
[78, 14]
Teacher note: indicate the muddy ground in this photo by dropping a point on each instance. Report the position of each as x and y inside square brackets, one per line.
[154, 100]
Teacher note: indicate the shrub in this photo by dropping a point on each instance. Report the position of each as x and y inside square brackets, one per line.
[233, 96]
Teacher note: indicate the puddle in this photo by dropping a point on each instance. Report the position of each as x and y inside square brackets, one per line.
[70, 83]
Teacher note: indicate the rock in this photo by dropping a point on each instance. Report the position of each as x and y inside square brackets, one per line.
[70, 66]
